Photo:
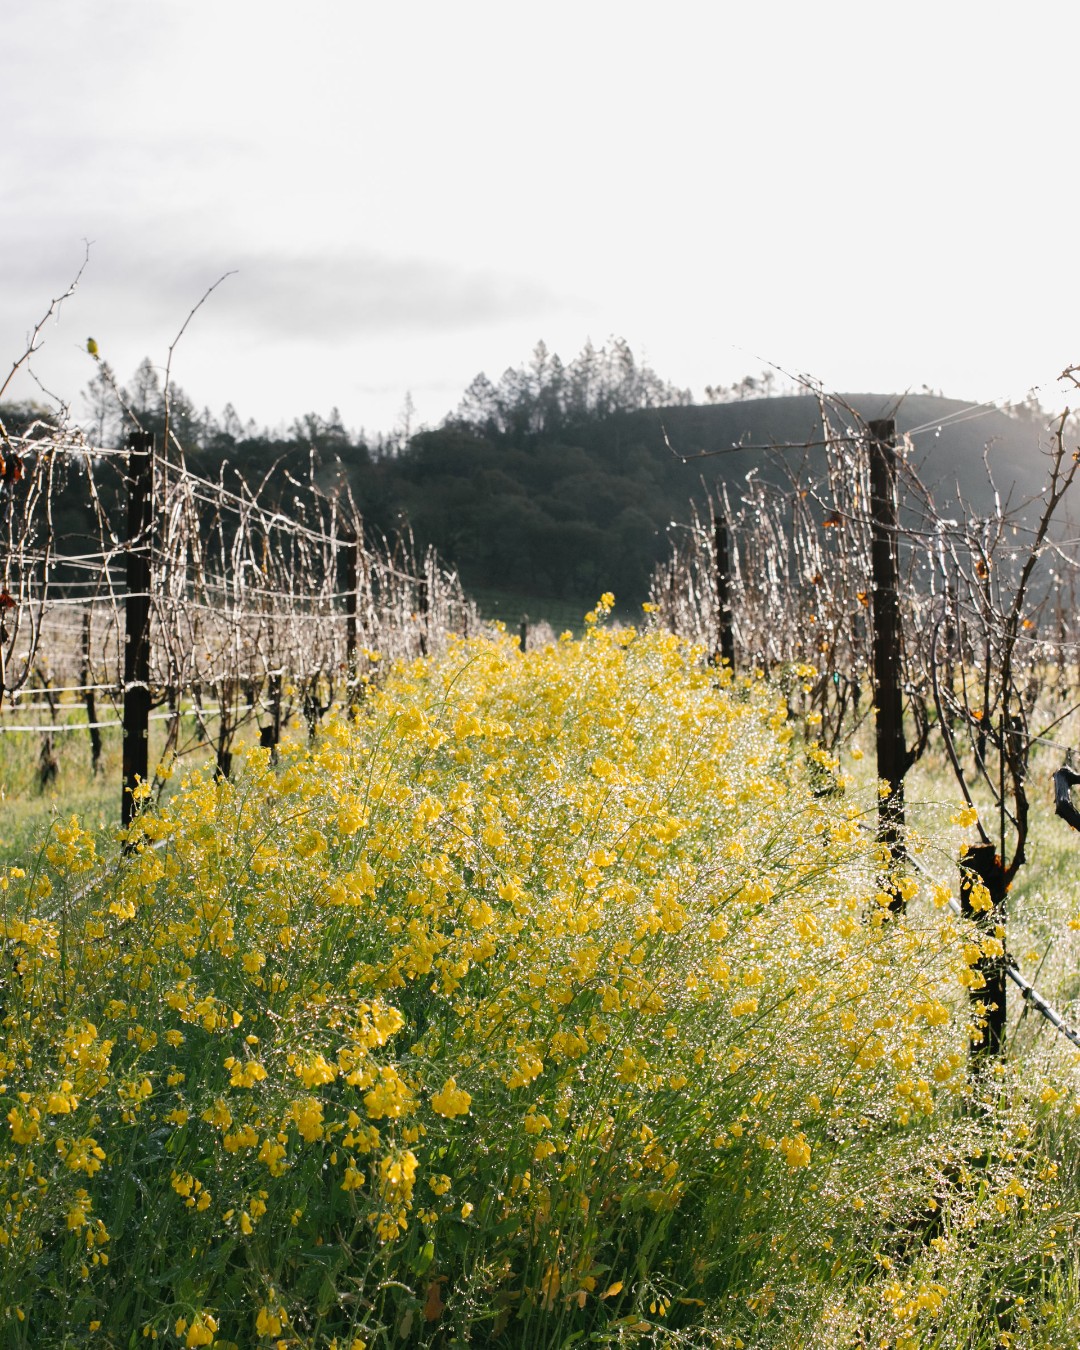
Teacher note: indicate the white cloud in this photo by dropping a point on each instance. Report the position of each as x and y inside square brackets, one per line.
[411, 191]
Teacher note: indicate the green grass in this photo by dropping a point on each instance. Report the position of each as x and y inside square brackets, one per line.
[28, 805]
[511, 608]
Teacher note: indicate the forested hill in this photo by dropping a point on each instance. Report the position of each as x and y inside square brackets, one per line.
[589, 509]
[561, 482]
[948, 438]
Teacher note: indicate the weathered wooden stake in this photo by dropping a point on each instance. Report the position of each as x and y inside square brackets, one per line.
[136, 748]
[892, 755]
[352, 581]
[424, 611]
[89, 701]
[270, 735]
[725, 637]
[226, 727]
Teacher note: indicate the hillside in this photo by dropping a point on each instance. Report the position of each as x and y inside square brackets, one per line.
[561, 483]
[590, 508]
[948, 437]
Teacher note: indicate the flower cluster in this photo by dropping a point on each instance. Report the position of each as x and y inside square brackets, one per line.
[514, 998]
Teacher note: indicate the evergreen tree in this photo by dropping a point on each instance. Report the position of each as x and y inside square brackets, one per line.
[104, 411]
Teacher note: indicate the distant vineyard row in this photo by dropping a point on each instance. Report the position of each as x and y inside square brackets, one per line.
[210, 596]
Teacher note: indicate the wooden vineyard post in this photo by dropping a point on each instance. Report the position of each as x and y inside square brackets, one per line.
[89, 700]
[725, 647]
[136, 748]
[523, 634]
[892, 757]
[424, 611]
[352, 581]
[270, 735]
[980, 865]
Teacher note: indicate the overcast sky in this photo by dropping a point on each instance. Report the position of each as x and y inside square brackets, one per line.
[883, 196]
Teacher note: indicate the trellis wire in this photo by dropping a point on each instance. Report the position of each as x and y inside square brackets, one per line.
[247, 601]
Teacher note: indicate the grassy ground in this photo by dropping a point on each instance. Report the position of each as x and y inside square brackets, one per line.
[1044, 899]
[30, 802]
[562, 616]
[1043, 902]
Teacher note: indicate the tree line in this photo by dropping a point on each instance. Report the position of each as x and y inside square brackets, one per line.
[556, 481]
[536, 483]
